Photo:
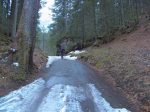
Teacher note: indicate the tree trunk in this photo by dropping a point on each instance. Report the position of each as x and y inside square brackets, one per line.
[14, 23]
[24, 37]
[83, 25]
[122, 12]
[1, 8]
[33, 34]
[94, 18]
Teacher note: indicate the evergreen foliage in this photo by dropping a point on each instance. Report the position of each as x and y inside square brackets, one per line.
[85, 20]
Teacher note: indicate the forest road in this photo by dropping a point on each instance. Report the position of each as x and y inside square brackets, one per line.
[67, 86]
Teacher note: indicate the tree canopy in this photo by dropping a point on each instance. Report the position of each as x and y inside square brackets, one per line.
[91, 19]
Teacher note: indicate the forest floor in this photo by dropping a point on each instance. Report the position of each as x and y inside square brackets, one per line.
[8, 80]
[125, 63]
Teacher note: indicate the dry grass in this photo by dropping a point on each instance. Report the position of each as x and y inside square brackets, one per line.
[127, 61]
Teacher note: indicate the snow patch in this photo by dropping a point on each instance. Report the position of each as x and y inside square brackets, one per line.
[52, 59]
[20, 100]
[16, 64]
[69, 57]
[76, 52]
[100, 103]
[60, 98]
[63, 98]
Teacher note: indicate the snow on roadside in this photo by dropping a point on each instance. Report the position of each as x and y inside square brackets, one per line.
[76, 52]
[101, 104]
[69, 57]
[52, 59]
[20, 100]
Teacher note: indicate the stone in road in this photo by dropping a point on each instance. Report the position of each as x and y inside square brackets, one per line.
[67, 86]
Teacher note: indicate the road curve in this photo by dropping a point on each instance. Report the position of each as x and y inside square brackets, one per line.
[67, 86]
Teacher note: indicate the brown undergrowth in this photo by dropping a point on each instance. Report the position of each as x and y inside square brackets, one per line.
[9, 77]
[127, 61]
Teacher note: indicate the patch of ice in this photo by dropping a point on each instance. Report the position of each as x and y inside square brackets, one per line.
[63, 109]
[52, 59]
[69, 57]
[60, 98]
[76, 52]
[100, 103]
[63, 98]
[20, 100]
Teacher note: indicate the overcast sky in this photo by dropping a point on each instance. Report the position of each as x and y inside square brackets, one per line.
[46, 13]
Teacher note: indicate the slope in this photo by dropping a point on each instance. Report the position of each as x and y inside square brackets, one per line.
[125, 63]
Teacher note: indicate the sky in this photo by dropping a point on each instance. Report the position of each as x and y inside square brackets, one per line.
[46, 13]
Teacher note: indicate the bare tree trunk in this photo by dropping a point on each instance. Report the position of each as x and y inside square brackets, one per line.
[122, 11]
[24, 37]
[83, 28]
[33, 34]
[83, 25]
[1, 16]
[104, 16]
[94, 18]
[14, 24]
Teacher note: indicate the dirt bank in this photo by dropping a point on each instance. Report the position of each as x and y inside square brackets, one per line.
[8, 72]
[126, 62]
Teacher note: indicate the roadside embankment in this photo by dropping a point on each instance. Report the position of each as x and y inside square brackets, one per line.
[126, 61]
[8, 72]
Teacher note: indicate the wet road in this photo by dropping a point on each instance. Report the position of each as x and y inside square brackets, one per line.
[67, 86]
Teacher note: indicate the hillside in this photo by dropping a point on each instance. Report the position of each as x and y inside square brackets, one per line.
[125, 63]
[9, 78]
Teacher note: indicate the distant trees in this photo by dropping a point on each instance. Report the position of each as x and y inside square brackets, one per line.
[10, 12]
[4, 15]
[80, 20]
[90, 19]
